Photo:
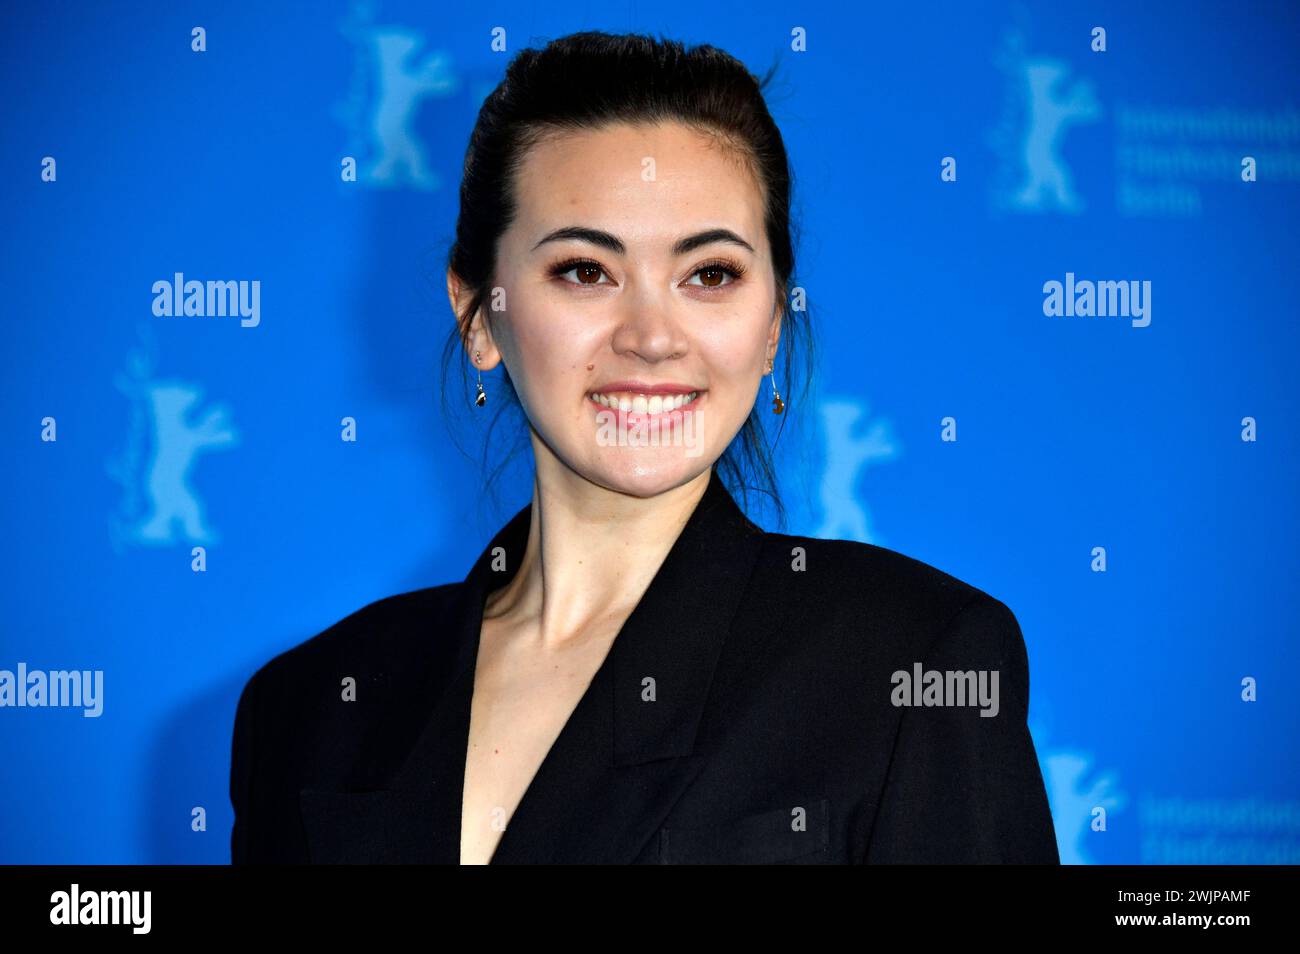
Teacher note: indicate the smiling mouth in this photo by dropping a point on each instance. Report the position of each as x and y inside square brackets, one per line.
[632, 402]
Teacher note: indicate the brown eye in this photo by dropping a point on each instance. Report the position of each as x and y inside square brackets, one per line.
[716, 275]
[584, 272]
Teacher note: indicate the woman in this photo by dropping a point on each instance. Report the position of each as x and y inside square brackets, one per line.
[633, 671]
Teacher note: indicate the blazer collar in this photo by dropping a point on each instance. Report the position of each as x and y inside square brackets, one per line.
[621, 761]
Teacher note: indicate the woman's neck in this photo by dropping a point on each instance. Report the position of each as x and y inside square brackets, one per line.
[591, 553]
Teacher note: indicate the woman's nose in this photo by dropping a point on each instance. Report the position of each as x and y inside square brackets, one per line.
[649, 329]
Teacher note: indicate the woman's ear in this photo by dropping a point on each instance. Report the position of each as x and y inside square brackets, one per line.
[774, 331]
[480, 342]
[475, 333]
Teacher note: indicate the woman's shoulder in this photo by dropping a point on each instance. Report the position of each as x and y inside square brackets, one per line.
[881, 593]
[380, 637]
[827, 563]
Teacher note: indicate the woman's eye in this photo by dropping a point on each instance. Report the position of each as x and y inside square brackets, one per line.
[590, 273]
[714, 276]
[585, 273]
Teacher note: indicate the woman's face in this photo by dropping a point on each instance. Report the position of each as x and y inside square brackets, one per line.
[635, 303]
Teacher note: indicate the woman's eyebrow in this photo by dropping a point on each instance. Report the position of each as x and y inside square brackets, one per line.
[614, 244]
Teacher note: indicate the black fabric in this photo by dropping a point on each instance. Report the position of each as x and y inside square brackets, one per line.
[773, 736]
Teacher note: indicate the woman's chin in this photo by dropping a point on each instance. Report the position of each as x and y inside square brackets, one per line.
[646, 471]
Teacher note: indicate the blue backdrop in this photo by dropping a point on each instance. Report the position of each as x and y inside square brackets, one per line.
[1126, 483]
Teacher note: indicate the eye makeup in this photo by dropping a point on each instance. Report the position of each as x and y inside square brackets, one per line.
[733, 269]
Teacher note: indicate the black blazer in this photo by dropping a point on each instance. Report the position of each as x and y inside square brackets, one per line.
[744, 714]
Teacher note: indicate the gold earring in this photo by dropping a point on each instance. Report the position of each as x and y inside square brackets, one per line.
[777, 404]
[482, 397]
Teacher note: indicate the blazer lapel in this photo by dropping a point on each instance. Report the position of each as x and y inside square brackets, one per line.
[621, 761]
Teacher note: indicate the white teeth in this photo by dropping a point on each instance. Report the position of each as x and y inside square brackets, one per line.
[645, 404]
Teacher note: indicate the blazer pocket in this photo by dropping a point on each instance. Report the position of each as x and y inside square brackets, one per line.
[766, 837]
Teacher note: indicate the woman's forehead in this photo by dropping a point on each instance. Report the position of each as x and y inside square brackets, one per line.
[648, 185]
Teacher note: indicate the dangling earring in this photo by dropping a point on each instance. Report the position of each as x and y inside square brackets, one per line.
[777, 404]
[482, 397]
